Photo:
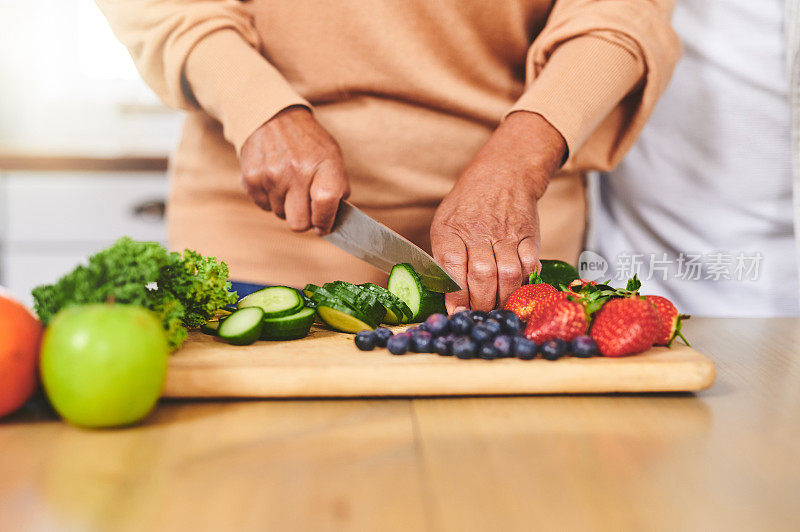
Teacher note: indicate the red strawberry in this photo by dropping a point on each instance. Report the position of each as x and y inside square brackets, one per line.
[670, 319]
[625, 326]
[524, 300]
[557, 317]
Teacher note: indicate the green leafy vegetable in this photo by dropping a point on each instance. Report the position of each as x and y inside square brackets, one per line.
[185, 290]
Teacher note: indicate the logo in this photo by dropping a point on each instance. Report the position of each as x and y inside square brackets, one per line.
[592, 266]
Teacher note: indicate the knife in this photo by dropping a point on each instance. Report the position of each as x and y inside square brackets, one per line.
[374, 243]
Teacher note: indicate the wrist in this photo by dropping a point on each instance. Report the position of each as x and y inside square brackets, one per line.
[547, 148]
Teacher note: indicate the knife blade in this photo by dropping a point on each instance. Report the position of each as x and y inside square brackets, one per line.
[369, 240]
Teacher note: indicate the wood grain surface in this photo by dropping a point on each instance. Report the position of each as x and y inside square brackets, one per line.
[726, 458]
[327, 364]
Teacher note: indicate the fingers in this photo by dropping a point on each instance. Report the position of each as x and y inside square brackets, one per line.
[298, 209]
[528, 250]
[481, 276]
[257, 194]
[329, 186]
[509, 269]
[451, 253]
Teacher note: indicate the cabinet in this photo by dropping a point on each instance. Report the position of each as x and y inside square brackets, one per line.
[52, 221]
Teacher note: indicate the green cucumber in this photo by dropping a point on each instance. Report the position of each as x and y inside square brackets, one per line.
[275, 301]
[289, 327]
[343, 318]
[243, 327]
[310, 289]
[322, 294]
[396, 309]
[210, 328]
[356, 298]
[405, 283]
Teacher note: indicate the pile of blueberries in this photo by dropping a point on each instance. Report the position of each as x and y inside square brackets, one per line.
[473, 334]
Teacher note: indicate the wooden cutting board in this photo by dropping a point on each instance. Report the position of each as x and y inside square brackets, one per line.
[327, 364]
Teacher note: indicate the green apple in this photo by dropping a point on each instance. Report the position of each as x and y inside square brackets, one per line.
[104, 365]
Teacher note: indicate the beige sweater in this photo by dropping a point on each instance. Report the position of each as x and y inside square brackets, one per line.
[409, 89]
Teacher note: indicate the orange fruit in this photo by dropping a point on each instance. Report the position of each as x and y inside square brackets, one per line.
[20, 336]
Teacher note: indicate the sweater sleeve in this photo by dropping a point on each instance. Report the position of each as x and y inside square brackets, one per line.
[596, 71]
[227, 69]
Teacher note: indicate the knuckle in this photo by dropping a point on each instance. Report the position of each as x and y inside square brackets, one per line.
[251, 174]
[325, 195]
[452, 258]
[481, 270]
[509, 273]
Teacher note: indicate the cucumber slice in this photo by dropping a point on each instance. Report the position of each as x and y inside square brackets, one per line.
[289, 327]
[321, 294]
[343, 318]
[359, 299]
[396, 309]
[210, 328]
[243, 327]
[405, 283]
[310, 289]
[275, 301]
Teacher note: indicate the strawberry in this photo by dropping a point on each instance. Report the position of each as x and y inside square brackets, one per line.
[670, 320]
[625, 326]
[559, 316]
[525, 299]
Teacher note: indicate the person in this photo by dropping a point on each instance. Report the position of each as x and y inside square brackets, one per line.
[444, 120]
[706, 194]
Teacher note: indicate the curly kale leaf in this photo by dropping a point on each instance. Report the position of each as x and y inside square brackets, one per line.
[184, 290]
[200, 283]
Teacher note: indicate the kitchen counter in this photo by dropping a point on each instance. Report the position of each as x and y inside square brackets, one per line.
[724, 459]
[12, 160]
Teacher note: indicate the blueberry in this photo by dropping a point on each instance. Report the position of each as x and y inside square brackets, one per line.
[465, 347]
[511, 324]
[553, 349]
[502, 344]
[442, 345]
[437, 324]
[366, 340]
[398, 344]
[461, 323]
[382, 335]
[479, 316]
[523, 348]
[487, 351]
[498, 314]
[413, 329]
[584, 347]
[493, 326]
[421, 342]
[480, 333]
[421, 327]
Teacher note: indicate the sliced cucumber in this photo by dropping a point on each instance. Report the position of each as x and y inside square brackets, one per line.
[322, 294]
[275, 301]
[289, 327]
[405, 283]
[343, 318]
[359, 299]
[210, 328]
[396, 309]
[310, 289]
[243, 327]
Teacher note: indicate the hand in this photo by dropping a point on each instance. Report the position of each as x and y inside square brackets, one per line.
[294, 168]
[486, 230]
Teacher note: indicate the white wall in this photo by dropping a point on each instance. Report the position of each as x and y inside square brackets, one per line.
[66, 84]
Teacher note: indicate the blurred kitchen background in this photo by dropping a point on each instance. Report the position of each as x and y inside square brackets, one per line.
[83, 142]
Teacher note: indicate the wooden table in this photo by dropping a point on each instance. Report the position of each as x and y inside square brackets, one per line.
[725, 459]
